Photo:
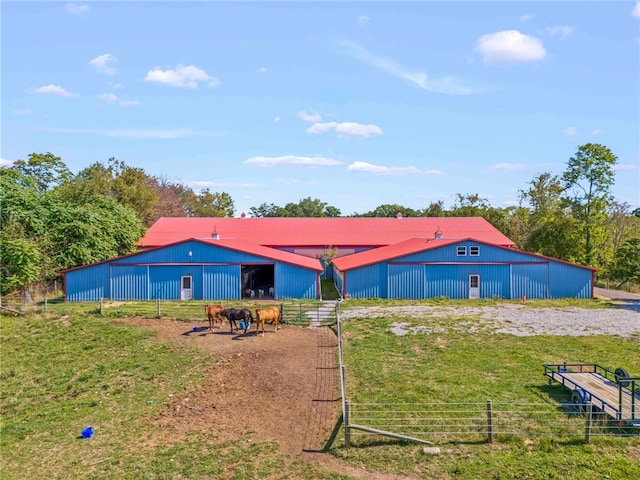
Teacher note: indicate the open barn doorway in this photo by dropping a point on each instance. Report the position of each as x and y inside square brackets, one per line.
[258, 281]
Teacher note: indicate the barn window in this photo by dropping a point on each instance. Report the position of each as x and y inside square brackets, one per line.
[474, 250]
[462, 250]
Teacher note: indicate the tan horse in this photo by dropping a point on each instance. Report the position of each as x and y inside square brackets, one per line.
[212, 312]
[264, 315]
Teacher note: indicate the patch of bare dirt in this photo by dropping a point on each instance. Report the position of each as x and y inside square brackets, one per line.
[280, 387]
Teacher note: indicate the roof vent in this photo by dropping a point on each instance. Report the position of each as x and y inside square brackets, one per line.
[243, 215]
[215, 233]
[399, 215]
[438, 233]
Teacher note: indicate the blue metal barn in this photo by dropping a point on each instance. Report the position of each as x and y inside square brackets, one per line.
[198, 270]
[421, 268]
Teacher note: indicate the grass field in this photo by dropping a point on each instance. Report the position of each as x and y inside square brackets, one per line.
[62, 373]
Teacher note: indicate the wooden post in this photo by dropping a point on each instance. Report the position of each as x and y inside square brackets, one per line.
[347, 432]
[489, 422]
[587, 426]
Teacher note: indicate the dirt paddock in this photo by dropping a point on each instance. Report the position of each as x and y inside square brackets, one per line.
[285, 384]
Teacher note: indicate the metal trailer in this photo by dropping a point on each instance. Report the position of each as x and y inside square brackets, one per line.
[612, 392]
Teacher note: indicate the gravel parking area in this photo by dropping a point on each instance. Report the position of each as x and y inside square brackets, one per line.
[519, 320]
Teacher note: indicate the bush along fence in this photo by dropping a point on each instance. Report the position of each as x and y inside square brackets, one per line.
[487, 421]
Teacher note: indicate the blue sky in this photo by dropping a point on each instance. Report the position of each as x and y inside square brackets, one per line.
[357, 104]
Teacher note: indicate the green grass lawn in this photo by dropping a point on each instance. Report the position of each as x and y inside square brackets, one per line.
[452, 365]
[62, 373]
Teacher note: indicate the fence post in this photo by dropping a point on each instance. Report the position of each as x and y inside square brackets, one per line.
[587, 425]
[158, 307]
[347, 432]
[101, 306]
[489, 422]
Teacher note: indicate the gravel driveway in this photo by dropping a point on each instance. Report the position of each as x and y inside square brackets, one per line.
[519, 320]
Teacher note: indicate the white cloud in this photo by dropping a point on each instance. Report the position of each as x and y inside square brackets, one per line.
[108, 97]
[447, 85]
[363, 20]
[55, 90]
[183, 76]
[509, 47]
[22, 111]
[562, 31]
[509, 167]
[5, 163]
[103, 64]
[346, 129]
[292, 160]
[526, 17]
[596, 131]
[76, 9]
[365, 167]
[201, 185]
[636, 10]
[113, 99]
[167, 134]
[624, 167]
[570, 131]
[276, 119]
[310, 117]
[262, 70]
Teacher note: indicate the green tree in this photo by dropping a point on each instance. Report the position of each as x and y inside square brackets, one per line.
[549, 229]
[587, 180]
[131, 187]
[627, 262]
[92, 232]
[307, 207]
[390, 210]
[213, 204]
[266, 210]
[46, 170]
[42, 233]
[434, 209]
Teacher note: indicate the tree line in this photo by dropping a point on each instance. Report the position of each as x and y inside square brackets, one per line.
[52, 219]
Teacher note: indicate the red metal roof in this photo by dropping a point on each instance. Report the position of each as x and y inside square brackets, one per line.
[270, 253]
[408, 247]
[415, 245]
[321, 232]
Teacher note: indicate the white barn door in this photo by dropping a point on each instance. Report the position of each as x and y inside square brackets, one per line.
[186, 287]
[474, 286]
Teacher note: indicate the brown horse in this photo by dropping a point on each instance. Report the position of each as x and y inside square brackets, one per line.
[212, 314]
[264, 315]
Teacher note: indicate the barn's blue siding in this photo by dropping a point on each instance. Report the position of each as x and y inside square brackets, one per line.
[295, 282]
[164, 281]
[129, 282]
[221, 282]
[215, 274]
[566, 281]
[406, 281]
[88, 284]
[367, 282]
[441, 272]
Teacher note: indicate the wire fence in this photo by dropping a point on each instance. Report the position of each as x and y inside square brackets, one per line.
[293, 312]
[472, 422]
[475, 422]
